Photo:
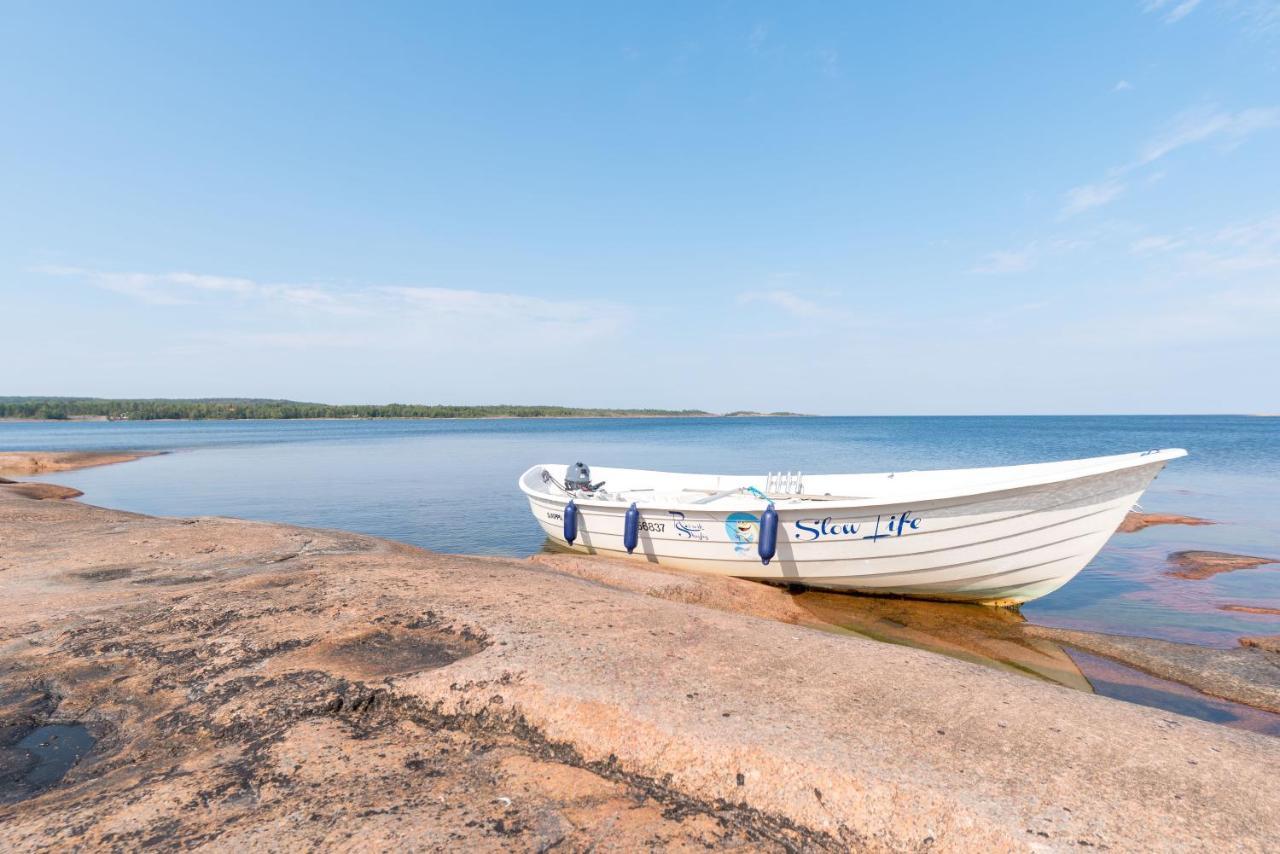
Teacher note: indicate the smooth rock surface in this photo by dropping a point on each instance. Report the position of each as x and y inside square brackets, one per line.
[1198, 565]
[1267, 643]
[45, 462]
[262, 685]
[1135, 521]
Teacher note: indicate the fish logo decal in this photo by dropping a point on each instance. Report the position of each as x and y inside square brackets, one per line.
[743, 530]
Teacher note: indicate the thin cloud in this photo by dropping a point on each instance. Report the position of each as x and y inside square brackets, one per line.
[829, 62]
[1191, 127]
[1010, 261]
[1245, 252]
[1239, 249]
[454, 302]
[1204, 124]
[1154, 244]
[1261, 17]
[185, 289]
[1186, 7]
[1089, 196]
[788, 301]
[1122, 86]
[1176, 12]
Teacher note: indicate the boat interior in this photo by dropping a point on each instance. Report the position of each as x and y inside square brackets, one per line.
[798, 489]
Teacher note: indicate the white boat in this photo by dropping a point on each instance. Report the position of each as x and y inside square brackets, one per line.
[998, 536]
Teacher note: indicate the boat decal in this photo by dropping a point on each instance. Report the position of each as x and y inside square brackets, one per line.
[692, 530]
[829, 528]
[653, 526]
[743, 530]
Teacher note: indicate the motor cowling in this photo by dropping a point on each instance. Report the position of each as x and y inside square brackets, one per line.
[577, 478]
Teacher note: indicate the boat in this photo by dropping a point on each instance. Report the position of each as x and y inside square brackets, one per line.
[996, 536]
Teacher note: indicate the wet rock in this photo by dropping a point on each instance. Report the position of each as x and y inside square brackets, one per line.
[1134, 521]
[44, 462]
[1198, 565]
[40, 491]
[1250, 609]
[1267, 643]
[1240, 675]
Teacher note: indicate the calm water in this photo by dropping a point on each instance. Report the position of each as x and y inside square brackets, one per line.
[450, 485]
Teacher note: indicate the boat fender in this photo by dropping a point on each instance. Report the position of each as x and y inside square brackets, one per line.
[570, 522]
[768, 534]
[631, 530]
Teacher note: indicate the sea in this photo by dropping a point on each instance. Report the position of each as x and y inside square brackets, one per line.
[450, 486]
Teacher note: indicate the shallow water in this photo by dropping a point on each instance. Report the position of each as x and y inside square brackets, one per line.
[450, 486]
[54, 749]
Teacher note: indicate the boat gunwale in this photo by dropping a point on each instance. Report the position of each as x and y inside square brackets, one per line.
[1090, 468]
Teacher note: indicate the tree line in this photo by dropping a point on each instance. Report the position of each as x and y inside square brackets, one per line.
[64, 408]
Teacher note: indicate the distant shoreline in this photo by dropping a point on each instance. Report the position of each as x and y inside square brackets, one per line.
[257, 409]
[103, 419]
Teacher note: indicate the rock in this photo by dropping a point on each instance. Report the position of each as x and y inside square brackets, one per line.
[44, 462]
[1134, 521]
[1267, 643]
[1239, 675]
[1250, 609]
[252, 685]
[674, 585]
[40, 491]
[1199, 565]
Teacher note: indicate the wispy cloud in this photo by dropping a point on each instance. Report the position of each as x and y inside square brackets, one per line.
[1260, 17]
[1009, 261]
[1088, 196]
[1191, 127]
[829, 61]
[1204, 124]
[1239, 249]
[788, 301]
[1122, 86]
[1153, 244]
[487, 304]
[450, 307]
[159, 288]
[1234, 253]
[1170, 11]
[1029, 257]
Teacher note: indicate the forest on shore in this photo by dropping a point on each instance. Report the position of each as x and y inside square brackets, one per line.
[196, 409]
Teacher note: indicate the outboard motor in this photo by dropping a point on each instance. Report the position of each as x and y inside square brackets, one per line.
[578, 479]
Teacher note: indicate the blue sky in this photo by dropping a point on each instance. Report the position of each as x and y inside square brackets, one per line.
[903, 208]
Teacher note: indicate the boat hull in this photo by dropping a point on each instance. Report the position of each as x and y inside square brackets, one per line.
[1002, 547]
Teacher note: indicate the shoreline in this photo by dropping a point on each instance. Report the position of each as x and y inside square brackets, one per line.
[96, 420]
[271, 665]
[36, 463]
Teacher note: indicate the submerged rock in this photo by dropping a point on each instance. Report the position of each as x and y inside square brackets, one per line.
[44, 462]
[1197, 565]
[1134, 521]
[1250, 609]
[1270, 643]
[40, 491]
[1245, 676]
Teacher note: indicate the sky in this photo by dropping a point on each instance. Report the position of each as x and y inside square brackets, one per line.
[893, 208]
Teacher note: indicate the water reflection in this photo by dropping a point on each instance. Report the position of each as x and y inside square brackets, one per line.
[994, 637]
[1112, 679]
[976, 633]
